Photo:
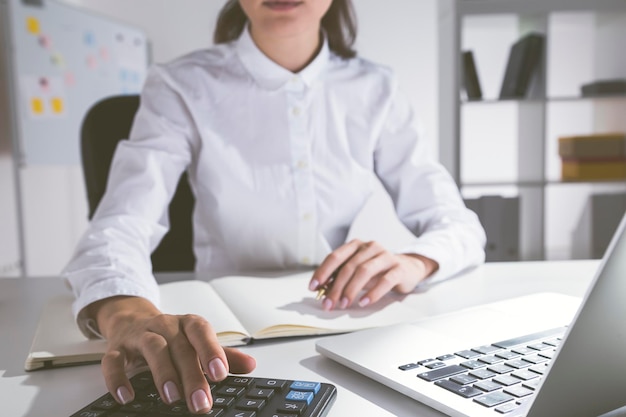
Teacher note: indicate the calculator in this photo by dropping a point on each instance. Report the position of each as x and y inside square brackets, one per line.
[236, 396]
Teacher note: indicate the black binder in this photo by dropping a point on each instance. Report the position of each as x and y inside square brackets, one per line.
[471, 82]
[524, 60]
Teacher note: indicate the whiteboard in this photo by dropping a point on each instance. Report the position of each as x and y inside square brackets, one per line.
[61, 61]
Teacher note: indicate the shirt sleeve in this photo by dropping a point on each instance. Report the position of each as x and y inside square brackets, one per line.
[113, 256]
[426, 198]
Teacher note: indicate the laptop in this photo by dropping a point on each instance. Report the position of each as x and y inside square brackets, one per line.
[541, 355]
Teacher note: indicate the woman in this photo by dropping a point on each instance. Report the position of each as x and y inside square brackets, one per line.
[283, 131]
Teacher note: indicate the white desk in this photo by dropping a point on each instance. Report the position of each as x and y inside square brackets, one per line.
[61, 392]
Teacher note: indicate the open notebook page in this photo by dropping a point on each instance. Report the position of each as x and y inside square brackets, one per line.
[197, 297]
[263, 304]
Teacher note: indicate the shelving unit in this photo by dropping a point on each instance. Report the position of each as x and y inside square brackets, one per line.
[509, 147]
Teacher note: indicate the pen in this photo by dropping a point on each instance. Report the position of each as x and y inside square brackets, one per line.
[321, 291]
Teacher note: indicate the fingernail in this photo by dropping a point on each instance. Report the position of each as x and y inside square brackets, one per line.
[327, 304]
[314, 284]
[123, 395]
[217, 370]
[364, 301]
[200, 401]
[171, 392]
[343, 303]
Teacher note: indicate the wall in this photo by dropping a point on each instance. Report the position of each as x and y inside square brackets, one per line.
[402, 36]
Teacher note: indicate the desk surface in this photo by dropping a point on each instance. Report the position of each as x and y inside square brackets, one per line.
[61, 392]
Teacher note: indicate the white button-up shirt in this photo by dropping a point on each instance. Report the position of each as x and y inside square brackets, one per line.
[280, 164]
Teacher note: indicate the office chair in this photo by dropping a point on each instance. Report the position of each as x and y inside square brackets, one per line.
[105, 124]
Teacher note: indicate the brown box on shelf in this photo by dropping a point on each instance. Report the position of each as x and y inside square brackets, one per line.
[600, 145]
[593, 170]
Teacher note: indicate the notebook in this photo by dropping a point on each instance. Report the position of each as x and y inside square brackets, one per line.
[481, 361]
[283, 306]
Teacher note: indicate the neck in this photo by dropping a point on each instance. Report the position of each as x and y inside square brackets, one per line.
[293, 53]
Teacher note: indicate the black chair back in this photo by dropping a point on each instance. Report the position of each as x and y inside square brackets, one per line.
[105, 124]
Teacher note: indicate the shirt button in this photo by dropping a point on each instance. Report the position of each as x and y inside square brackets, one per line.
[302, 164]
[296, 111]
[307, 216]
[305, 260]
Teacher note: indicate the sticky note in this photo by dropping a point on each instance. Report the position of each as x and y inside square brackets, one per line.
[32, 25]
[56, 104]
[36, 105]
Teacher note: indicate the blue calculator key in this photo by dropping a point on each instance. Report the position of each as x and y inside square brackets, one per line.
[305, 386]
[300, 396]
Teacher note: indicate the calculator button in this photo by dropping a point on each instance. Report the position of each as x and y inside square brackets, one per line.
[260, 393]
[270, 383]
[300, 396]
[136, 407]
[178, 409]
[250, 404]
[230, 391]
[239, 381]
[238, 413]
[292, 407]
[305, 386]
[223, 402]
[106, 403]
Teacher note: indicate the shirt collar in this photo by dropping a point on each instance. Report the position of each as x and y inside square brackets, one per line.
[269, 74]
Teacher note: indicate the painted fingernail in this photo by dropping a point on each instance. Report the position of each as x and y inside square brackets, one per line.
[314, 284]
[343, 303]
[217, 370]
[327, 304]
[171, 392]
[123, 395]
[364, 301]
[199, 401]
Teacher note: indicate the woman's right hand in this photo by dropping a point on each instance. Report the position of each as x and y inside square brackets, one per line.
[179, 350]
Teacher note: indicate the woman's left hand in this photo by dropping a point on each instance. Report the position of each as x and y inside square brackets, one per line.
[367, 266]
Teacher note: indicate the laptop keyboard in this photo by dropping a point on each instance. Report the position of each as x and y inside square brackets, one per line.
[236, 396]
[502, 375]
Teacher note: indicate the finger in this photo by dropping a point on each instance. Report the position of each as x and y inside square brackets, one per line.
[333, 262]
[155, 350]
[370, 270]
[200, 351]
[172, 358]
[385, 283]
[239, 362]
[115, 378]
[202, 337]
[345, 275]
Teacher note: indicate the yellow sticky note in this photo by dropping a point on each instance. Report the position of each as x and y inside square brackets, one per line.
[36, 105]
[32, 25]
[57, 105]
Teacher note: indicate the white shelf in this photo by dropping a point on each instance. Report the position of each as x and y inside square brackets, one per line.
[510, 147]
[489, 7]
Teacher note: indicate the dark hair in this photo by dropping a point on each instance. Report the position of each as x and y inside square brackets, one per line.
[339, 23]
